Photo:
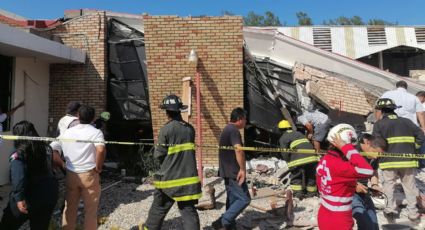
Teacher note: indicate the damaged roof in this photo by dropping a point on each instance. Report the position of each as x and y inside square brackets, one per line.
[272, 44]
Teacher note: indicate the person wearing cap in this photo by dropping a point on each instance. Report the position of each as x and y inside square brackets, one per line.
[317, 125]
[409, 105]
[302, 165]
[402, 135]
[71, 117]
[177, 179]
[337, 175]
[100, 123]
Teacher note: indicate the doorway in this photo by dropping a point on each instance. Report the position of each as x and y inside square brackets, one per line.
[6, 71]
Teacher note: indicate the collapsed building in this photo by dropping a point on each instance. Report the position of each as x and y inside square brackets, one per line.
[127, 63]
[292, 75]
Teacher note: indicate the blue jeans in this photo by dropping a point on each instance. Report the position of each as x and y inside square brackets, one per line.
[237, 200]
[364, 212]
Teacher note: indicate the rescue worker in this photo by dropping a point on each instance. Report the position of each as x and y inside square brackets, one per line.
[337, 175]
[317, 125]
[302, 165]
[177, 179]
[402, 135]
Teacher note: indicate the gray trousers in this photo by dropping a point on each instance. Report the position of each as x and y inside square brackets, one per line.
[407, 177]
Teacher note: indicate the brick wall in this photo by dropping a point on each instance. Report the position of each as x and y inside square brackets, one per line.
[218, 42]
[80, 82]
[335, 92]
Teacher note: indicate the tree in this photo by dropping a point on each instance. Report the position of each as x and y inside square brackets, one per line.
[271, 20]
[355, 20]
[376, 21]
[304, 19]
[253, 19]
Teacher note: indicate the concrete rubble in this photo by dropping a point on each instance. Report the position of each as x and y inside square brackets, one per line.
[124, 205]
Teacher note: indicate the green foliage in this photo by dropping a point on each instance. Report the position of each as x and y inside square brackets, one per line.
[381, 22]
[304, 19]
[342, 21]
[355, 20]
[269, 19]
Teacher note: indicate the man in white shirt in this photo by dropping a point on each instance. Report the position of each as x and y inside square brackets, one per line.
[70, 119]
[411, 108]
[421, 96]
[84, 162]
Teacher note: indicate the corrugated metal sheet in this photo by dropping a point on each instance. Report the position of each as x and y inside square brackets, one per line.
[338, 45]
[287, 51]
[353, 42]
[349, 42]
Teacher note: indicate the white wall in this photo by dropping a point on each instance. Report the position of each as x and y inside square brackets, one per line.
[33, 87]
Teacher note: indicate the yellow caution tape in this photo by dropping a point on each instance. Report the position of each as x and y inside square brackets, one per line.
[244, 148]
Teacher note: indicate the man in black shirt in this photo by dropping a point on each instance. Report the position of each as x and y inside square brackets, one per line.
[232, 169]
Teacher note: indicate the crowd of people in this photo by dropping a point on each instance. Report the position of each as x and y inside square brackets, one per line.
[343, 178]
[34, 192]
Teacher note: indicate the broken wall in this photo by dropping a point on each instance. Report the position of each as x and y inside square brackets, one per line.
[80, 82]
[335, 92]
[218, 42]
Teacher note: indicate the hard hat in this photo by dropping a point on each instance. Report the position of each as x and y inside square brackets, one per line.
[172, 103]
[347, 133]
[386, 103]
[105, 116]
[284, 124]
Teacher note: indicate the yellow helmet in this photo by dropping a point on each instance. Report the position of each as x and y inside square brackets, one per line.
[284, 124]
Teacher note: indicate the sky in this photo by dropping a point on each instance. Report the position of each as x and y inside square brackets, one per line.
[405, 12]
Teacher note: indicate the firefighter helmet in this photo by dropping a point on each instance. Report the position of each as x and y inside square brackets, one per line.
[172, 103]
[386, 103]
[347, 133]
[284, 124]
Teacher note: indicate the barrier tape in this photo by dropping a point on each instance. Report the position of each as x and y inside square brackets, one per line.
[244, 148]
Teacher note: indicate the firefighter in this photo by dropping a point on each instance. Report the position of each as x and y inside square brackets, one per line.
[302, 165]
[177, 179]
[402, 135]
[337, 175]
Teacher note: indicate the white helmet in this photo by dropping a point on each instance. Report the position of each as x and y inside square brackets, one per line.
[346, 131]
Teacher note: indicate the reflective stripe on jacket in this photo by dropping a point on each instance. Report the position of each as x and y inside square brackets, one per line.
[337, 176]
[402, 135]
[296, 140]
[178, 176]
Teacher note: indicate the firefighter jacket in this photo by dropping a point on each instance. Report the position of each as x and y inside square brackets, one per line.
[337, 177]
[402, 135]
[296, 140]
[177, 176]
